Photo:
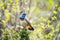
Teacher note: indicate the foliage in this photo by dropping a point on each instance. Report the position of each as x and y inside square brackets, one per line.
[44, 16]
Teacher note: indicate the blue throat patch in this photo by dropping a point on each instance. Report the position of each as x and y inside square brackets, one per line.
[23, 16]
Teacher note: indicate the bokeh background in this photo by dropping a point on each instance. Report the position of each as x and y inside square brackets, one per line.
[44, 16]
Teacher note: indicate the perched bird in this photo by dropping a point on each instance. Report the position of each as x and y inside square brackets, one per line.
[28, 24]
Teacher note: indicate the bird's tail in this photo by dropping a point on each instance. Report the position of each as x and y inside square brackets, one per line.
[29, 26]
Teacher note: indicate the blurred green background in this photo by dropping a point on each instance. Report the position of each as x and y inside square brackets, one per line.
[44, 16]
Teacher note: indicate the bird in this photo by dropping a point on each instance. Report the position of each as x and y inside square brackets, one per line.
[22, 18]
